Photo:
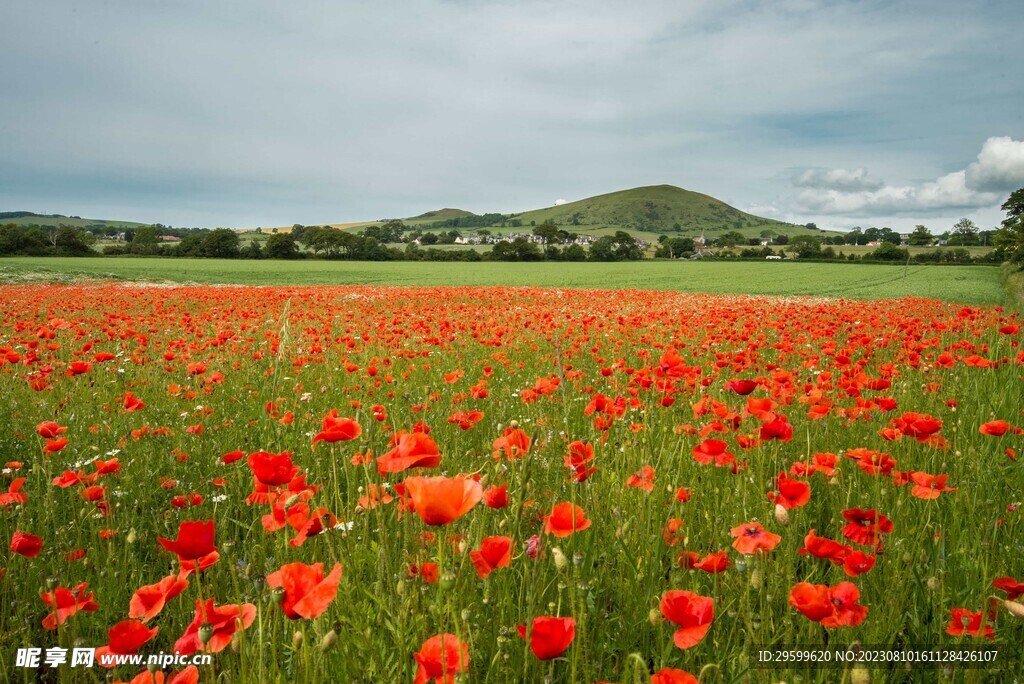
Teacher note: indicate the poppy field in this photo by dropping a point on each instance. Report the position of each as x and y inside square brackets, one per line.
[358, 483]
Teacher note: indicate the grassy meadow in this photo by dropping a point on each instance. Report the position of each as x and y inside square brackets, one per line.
[363, 483]
[970, 285]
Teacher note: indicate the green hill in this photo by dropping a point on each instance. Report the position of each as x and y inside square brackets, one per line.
[28, 218]
[440, 215]
[658, 209]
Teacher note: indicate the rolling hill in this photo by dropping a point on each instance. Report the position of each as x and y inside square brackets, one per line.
[28, 218]
[657, 209]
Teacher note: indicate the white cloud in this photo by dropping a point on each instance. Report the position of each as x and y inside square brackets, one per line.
[1000, 166]
[839, 192]
[843, 180]
[560, 202]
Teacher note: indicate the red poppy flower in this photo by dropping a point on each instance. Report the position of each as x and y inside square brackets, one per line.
[778, 429]
[691, 612]
[130, 402]
[713, 563]
[856, 563]
[440, 500]
[410, 450]
[995, 428]
[335, 429]
[791, 493]
[494, 552]
[49, 429]
[231, 457]
[125, 638]
[565, 518]
[13, 495]
[822, 547]
[514, 444]
[741, 387]
[194, 545]
[831, 606]
[713, 450]
[549, 636]
[440, 659]
[27, 545]
[149, 600]
[307, 593]
[66, 602]
[375, 496]
[225, 621]
[963, 621]
[751, 538]
[1011, 586]
[496, 496]
[866, 527]
[580, 454]
[272, 470]
[642, 479]
[671, 675]
[929, 486]
[54, 445]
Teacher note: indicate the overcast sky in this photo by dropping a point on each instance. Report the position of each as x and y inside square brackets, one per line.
[207, 112]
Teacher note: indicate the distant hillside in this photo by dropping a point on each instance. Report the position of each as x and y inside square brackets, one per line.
[441, 215]
[657, 209]
[28, 218]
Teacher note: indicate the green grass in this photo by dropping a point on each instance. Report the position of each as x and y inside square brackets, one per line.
[970, 285]
[234, 361]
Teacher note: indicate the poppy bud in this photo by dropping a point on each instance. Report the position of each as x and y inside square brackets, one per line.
[833, 481]
[297, 640]
[462, 547]
[132, 536]
[513, 424]
[755, 579]
[860, 675]
[290, 501]
[559, 558]
[934, 583]
[447, 580]
[907, 559]
[740, 565]
[400, 589]
[278, 594]
[152, 667]
[466, 614]
[781, 515]
[205, 633]
[329, 640]
[1015, 609]
[236, 642]
[577, 559]
[51, 582]
[654, 616]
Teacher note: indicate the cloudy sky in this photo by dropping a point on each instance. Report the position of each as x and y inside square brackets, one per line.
[252, 112]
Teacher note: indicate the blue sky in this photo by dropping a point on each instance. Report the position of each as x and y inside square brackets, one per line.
[266, 113]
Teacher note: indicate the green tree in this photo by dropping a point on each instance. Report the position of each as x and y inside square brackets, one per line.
[145, 235]
[730, 239]
[281, 246]
[921, 237]
[890, 252]
[805, 246]
[1009, 241]
[221, 243]
[548, 232]
[964, 232]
